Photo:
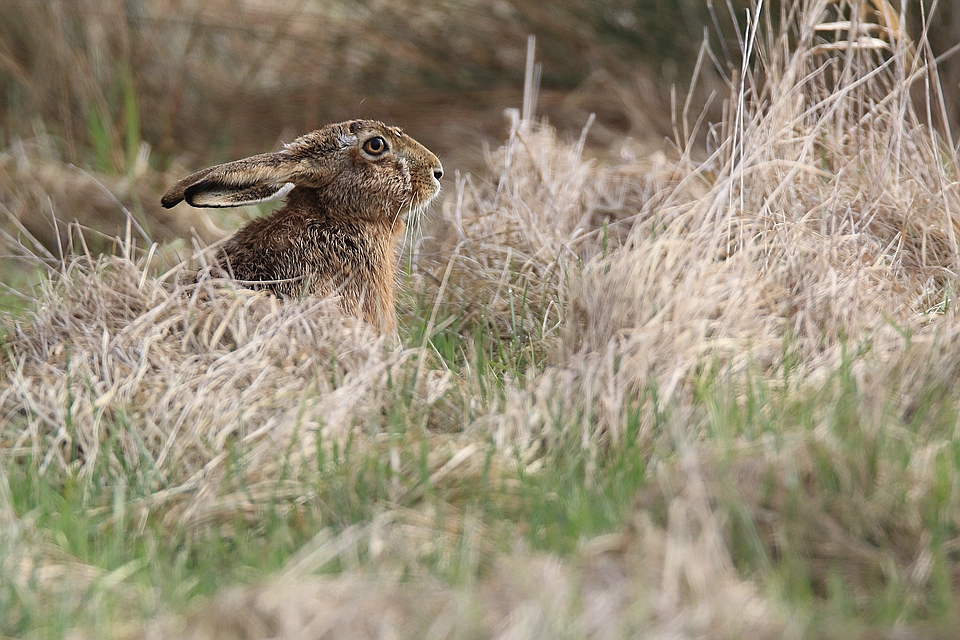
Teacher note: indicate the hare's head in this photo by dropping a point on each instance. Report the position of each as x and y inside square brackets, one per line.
[359, 168]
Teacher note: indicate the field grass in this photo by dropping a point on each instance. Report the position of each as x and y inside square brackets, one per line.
[669, 395]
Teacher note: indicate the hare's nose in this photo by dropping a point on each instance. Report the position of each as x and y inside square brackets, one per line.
[438, 172]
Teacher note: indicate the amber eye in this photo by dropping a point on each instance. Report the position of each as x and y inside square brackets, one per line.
[375, 146]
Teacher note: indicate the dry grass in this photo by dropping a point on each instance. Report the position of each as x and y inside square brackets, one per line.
[826, 217]
[606, 593]
[768, 332]
[42, 196]
[111, 345]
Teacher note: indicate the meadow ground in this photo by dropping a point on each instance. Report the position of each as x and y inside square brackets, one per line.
[658, 395]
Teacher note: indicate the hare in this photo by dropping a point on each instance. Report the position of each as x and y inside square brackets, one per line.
[349, 188]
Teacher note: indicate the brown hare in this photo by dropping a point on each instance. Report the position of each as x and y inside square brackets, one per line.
[349, 188]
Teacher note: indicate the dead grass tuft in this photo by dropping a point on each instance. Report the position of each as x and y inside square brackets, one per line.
[827, 212]
[109, 346]
[514, 241]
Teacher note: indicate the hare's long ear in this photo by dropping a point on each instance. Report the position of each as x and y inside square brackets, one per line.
[255, 179]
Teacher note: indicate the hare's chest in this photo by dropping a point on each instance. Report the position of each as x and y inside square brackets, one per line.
[338, 252]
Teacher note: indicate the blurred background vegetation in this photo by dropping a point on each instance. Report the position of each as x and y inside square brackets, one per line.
[218, 78]
[136, 91]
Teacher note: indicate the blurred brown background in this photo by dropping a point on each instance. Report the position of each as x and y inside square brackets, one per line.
[99, 83]
[221, 78]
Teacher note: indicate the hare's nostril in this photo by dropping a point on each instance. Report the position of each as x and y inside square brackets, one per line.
[438, 172]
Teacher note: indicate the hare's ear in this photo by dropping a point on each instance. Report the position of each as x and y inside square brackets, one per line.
[208, 193]
[174, 194]
[256, 179]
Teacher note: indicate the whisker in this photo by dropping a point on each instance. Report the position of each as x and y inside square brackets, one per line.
[396, 216]
[406, 233]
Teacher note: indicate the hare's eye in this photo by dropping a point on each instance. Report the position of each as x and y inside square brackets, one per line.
[375, 146]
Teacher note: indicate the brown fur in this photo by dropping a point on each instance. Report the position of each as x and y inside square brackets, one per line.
[345, 209]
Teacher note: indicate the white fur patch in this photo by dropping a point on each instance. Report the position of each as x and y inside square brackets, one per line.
[284, 190]
[279, 193]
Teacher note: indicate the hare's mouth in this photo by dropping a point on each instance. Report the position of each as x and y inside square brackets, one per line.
[421, 200]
